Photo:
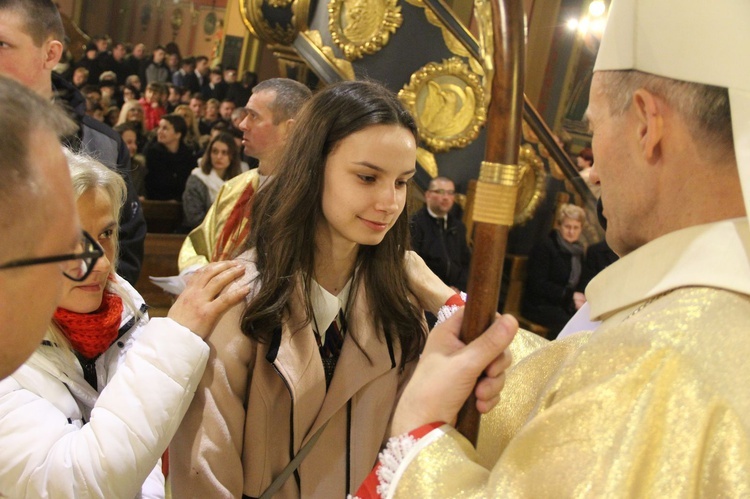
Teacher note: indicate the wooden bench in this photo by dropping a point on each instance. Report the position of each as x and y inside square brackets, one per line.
[162, 217]
[159, 260]
[516, 265]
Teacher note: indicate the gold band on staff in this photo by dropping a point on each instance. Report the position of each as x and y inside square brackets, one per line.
[497, 190]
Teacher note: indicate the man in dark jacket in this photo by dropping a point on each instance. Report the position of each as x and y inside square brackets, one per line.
[439, 237]
[35, 31]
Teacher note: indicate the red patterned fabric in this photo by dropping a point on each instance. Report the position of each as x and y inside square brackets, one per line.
[236, 228]
[91, 334]
[368, 489]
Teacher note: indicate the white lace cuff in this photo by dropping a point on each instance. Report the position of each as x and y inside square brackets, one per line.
[448, 310]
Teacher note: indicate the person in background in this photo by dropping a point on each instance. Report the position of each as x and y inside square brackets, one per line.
[35, 30]
[211, 116]
[187, 66]
[168, 159]
[219, 163]
[80, 77]
[226, 108]
[439, 237]
[554, 281]
[151, 102]
[240, 92]
[135, 60]
[132, 114]
[156, 70]
[66, 430]
[217, 87]
[192, 137]
[272, 111]
[129, 134]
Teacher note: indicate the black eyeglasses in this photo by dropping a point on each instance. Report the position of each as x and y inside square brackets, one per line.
[86, 259]
[443, 192]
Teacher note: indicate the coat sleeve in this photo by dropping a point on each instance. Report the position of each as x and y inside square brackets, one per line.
[135, 417]
[538, 281]
[652, 430]
[198, 248]
[132, 232]
[205, 457]
[195, 202]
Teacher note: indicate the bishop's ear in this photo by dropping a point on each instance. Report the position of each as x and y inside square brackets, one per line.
[649, 113]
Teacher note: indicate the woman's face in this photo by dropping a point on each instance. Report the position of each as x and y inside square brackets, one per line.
[131, 141]
[365, 184]
[135, 114]
[220, 159]
[166, 135]
[212, 112]
[570, 229]
[95, 212]
[186, 115]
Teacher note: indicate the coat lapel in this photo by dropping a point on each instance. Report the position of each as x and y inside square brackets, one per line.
[353, 369]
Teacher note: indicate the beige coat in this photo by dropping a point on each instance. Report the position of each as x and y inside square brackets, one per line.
[258, 404]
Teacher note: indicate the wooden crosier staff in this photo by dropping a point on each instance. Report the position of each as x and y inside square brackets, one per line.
[497, 186]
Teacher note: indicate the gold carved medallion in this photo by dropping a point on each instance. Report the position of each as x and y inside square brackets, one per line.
[447, 100]
[360, 27]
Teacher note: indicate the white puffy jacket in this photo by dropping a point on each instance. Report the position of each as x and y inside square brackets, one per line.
[60, 438]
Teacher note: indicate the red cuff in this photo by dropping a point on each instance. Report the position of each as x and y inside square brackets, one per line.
[455, 300]
[369, 488]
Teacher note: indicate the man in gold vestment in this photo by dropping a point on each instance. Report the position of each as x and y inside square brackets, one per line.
[653, 403]
[271, 112]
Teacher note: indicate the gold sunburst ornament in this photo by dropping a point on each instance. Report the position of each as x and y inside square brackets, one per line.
[360, 27]
[447, 100]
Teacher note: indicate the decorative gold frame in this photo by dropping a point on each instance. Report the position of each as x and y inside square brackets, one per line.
[253, 18]
[361, 27]
[447, 100]
[531, 189]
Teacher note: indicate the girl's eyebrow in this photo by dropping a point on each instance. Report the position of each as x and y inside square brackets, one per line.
[380, 169]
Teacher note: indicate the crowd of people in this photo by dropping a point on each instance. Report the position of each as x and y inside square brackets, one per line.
[143, 96]
[298, 354]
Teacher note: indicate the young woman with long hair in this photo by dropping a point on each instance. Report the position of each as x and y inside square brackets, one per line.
[80, 417]
[219, 163]
[331, 329]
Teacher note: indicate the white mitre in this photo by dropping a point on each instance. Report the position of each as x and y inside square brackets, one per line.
[700, 41]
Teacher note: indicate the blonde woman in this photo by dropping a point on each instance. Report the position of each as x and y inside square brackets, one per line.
[193, 135]
[81, 418]
[554, 288]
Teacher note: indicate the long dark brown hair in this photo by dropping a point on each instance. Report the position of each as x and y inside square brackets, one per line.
[286, 213]
[234, 167]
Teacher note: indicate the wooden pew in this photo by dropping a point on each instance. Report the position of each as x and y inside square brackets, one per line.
[159, 260]
[162, 217]
[516, 265]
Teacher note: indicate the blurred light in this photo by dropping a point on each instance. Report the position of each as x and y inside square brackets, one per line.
[598, 25]
[572, 24]
[596, 8]
[583, 26]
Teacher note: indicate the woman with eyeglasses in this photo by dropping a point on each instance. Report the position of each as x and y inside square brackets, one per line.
[81, 417]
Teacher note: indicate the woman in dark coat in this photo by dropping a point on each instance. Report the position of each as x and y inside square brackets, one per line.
[554, 288]
[169, 160]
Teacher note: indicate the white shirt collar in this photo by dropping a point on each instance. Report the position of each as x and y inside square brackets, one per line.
[712, 255]
[326, 306]
[433, 215]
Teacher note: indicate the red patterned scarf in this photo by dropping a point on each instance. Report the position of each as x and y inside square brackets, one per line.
[236, 228]
[91, 334]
